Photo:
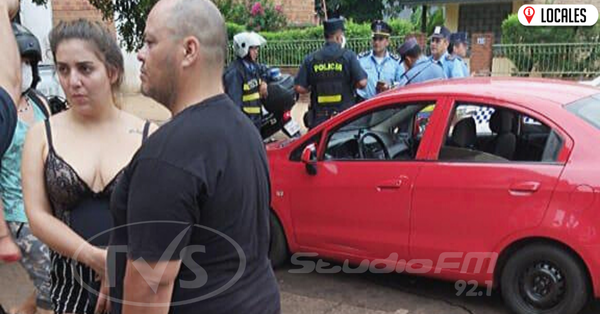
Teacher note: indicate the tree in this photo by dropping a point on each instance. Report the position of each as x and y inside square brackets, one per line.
[572, 50]
[358, 10]
[130, 18]
[130, 15]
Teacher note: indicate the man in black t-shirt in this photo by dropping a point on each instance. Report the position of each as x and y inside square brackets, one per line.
[191, 210]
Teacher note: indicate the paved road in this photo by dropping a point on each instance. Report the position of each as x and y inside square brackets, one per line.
[338, 293]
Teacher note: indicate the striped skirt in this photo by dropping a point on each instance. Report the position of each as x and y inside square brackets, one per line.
[74, 289]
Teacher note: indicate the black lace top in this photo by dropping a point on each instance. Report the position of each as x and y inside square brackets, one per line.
[73, 201]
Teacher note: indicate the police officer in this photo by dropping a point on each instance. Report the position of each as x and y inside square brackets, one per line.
[458, 49]
[419, 67]
[245, 79]
[382, 67]
[331, 75]
[439, 53]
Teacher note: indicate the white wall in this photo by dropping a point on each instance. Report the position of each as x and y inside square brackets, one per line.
[132, 82]
[38, 19]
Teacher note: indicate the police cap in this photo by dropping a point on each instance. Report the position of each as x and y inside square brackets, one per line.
[408, 45]
[459, 37]
[441, 32]
[331, 26]
[381, 28]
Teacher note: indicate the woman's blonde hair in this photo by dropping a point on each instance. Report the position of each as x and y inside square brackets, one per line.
[104, 44]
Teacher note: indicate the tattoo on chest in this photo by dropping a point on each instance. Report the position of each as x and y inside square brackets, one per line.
[135, 131]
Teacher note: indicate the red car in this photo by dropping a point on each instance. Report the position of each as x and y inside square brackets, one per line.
[499, 188]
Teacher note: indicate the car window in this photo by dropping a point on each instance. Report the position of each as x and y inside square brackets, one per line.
[588, 109]
[391, 133]
[485, 133]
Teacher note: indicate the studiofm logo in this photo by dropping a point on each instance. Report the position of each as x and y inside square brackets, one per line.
[558, 15]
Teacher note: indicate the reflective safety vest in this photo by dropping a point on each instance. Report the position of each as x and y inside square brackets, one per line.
[250, 92]
[330, 80]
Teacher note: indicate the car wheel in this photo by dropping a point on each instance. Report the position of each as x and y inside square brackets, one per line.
[278, 252]
[544, 279]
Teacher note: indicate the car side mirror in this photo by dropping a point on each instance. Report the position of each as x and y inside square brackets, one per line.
[309, 159]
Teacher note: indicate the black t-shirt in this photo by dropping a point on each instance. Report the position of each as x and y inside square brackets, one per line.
[8, 120]
[202, 180]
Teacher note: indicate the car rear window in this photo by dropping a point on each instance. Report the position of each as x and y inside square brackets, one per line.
[587, 109]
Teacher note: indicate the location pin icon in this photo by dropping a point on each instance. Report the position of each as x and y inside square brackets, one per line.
[529, 13]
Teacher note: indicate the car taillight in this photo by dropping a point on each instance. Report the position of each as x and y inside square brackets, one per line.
[287, 116]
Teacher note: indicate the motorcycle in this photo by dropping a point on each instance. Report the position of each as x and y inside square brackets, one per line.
[277, 107]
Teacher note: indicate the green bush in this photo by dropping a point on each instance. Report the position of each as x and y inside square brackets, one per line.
[580, 54]
[353, 30]
[289, 47]
[233, 29]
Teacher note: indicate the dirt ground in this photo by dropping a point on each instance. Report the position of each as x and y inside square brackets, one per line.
[148, 109]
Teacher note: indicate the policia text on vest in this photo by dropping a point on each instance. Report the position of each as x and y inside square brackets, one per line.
[326, 67]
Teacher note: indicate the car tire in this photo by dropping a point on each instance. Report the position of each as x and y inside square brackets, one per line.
[544, 279]
[278, 252]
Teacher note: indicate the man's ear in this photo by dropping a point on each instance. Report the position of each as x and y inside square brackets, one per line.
[191, 48]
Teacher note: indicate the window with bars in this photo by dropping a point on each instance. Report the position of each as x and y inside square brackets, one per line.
[484, 18]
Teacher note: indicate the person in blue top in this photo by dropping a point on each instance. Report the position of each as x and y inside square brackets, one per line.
[458, 49]
[10, 82]
[419, 67]
[31, 108]
[439, 53]
[382, 67]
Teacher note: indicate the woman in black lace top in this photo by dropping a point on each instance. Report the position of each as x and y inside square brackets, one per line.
[71, 163]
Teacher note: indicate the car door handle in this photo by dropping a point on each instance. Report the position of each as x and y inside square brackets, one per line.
[525, 187]
[390, 184]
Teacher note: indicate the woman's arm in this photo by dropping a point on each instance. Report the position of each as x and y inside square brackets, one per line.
[9, 251]
[10, 71]
[50, 230]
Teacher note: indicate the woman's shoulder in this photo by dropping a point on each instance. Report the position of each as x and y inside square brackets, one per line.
[136, 124]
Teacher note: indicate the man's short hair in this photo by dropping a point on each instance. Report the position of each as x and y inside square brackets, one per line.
[202, 20]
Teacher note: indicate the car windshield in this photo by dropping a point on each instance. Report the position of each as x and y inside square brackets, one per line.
[588, 109]
[371, 120]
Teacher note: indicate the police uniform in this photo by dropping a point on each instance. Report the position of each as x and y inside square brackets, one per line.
[422, 70]
[460, 37]
[387, 69]
[331, 74]
[452, 67]
[242, 81]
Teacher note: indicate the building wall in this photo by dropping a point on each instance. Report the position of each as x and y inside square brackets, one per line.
[452, 14]
[298, 12]
[38, 19]
[68, 10]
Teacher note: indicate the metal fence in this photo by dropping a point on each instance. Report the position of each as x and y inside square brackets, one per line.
[291, 53]
[567, 60]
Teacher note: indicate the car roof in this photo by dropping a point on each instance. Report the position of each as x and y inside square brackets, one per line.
[509, 89]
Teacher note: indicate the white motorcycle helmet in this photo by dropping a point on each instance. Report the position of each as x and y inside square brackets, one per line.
[243, 41]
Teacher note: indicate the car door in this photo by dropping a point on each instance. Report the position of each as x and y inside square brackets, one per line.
[468, 199]
[359, 205]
